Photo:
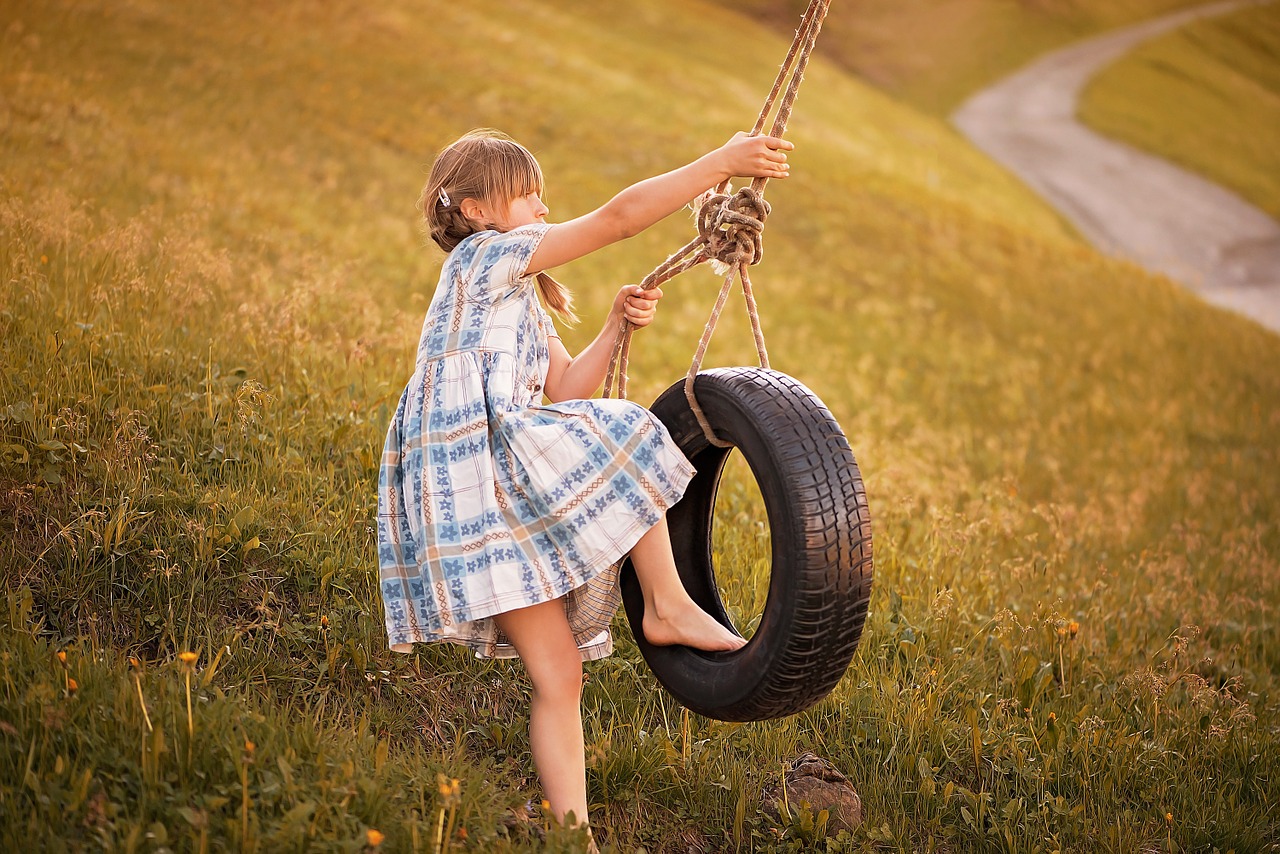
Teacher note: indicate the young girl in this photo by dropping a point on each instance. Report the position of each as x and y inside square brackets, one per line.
[501, 520]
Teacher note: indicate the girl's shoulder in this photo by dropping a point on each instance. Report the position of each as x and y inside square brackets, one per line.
[500, 255]
[506, 240]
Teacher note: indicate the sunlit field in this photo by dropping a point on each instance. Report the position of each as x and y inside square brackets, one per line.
[213, 284]
[1206, 97]
[934, 53]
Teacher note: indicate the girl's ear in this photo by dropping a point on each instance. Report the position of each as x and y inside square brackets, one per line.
[473, 210]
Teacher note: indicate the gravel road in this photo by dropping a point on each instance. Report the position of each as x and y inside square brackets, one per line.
[1124, 201]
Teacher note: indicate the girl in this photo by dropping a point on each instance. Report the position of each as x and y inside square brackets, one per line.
[501, 521]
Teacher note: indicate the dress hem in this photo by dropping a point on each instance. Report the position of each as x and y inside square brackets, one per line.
[487, 648]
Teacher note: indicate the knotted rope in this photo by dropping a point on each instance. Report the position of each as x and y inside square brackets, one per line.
[730, 230]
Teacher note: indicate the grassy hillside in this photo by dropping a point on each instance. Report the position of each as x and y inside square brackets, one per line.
[934, 53]
[1207, 97]
[212, 288]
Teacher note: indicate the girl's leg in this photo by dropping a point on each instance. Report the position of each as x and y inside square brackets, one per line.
[670, 616]
[540, 633]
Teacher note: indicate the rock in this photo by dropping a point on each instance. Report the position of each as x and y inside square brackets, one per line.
[812, 779]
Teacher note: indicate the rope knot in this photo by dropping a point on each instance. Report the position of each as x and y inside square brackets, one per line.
[733, 227]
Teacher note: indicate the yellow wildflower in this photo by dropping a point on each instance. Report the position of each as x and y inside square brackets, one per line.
[374, 837]
[188, 658]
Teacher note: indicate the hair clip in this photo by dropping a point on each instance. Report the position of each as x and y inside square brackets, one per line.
[444, 198]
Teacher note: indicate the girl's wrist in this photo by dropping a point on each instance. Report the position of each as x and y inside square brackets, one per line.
[718, 164]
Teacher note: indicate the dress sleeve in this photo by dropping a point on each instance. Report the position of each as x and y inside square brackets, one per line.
[499, 267]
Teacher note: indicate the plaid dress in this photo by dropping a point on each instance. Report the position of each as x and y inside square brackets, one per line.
[488, 500]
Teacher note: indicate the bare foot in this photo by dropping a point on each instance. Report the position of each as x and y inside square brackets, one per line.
[691, 626]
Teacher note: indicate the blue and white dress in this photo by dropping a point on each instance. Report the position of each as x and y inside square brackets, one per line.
[489, 500]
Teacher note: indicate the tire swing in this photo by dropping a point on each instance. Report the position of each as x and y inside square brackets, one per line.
[820, 582]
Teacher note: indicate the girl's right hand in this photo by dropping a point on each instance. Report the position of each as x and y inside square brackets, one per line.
[747, 156]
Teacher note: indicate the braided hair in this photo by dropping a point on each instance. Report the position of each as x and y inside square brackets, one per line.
[491, 167]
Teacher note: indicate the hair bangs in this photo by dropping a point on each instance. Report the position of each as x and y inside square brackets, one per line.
[514, 171]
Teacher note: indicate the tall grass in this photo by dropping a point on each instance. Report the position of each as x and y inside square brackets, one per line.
[212, 289]
[1207, 97]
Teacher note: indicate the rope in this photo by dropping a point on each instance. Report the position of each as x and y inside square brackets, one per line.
[730, 230]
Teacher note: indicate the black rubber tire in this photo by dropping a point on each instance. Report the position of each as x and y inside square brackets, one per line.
[820, 530]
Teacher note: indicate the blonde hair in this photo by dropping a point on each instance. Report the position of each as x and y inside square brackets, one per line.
[494, 169]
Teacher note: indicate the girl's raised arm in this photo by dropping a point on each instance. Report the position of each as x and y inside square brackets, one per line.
[643, 204]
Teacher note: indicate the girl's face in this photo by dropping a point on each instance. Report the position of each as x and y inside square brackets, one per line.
[524, 210]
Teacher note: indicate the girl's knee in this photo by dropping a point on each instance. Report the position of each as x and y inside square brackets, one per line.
[558, 676]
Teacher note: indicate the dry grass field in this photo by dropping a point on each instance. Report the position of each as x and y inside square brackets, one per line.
[211, 285]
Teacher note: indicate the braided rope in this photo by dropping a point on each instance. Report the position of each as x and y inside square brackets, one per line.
[730, 229]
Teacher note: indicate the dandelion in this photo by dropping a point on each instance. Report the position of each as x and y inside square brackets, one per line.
[135, 663]
[188, 660]
[1073, 628]
[61, 655]
[324, 621]
[447, 814]
[1168, 817]
[44, 259]
[249, 747]
[72, 687]
[374, 837]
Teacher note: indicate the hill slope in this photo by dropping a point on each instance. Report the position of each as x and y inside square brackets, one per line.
[213, 284]
[935, 53]
[1206, 97]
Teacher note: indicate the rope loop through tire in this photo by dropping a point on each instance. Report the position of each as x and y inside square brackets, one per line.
[820, 531]
[730, 227]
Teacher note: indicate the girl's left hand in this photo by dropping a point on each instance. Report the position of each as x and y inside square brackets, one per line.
[637, 305]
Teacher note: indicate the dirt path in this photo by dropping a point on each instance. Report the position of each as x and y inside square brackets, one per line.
[1124, 201]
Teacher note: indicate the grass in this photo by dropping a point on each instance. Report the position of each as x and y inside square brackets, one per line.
[935, 53]
[212, 287]
[1207, 97]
